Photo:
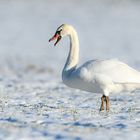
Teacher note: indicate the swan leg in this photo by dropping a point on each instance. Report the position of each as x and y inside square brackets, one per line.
[107, 103]
[102, 102]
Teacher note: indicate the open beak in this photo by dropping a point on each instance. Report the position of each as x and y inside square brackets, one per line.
[56, 37]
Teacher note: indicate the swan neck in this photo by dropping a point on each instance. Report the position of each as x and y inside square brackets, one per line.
[73, 56]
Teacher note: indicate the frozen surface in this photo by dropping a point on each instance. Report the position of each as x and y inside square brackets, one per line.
[39, 109]
[34, 103]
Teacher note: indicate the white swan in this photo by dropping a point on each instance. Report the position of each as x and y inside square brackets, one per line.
[98, 76]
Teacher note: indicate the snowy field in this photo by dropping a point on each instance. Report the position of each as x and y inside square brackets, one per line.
[34, 103]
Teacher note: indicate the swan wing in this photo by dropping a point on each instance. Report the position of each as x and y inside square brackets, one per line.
[115, 70]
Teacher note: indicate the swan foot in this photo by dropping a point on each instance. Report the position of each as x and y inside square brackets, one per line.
[105, 99]
[107, 103]
[102, 103]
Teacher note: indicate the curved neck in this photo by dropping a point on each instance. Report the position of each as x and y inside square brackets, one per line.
[73, 56]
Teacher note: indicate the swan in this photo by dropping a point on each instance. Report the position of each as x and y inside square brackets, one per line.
[97, 76]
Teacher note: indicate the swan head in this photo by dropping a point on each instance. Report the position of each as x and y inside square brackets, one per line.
[61, 31]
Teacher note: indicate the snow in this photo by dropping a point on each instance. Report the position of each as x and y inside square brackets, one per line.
[34, 103]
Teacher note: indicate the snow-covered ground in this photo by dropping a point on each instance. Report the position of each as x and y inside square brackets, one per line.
[34, 103]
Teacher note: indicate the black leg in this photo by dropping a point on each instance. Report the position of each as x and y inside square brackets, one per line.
[102, 103]
[107, 103]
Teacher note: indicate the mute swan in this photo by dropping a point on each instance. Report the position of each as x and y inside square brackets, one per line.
[98, 76]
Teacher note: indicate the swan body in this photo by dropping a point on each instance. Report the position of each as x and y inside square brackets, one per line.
[97, 76]
[103, 76]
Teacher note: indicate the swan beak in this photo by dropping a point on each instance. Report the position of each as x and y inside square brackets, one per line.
[56, 36]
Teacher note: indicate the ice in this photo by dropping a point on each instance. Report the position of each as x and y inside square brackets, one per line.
[34, 103]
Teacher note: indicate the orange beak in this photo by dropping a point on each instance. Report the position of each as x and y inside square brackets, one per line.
[56, 36]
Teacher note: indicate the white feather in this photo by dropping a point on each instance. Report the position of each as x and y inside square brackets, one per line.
[100, 76]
